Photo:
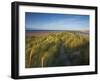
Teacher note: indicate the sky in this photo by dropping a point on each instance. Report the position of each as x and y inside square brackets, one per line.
[52, 21]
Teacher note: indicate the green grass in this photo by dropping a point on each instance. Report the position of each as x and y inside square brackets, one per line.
[57, 49]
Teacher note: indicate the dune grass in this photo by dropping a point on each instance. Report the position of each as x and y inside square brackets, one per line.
[57, 49]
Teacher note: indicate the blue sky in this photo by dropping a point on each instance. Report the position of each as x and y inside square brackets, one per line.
[50, 21]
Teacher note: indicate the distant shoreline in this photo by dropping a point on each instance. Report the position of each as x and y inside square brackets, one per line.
[56, 30]
[46, 32]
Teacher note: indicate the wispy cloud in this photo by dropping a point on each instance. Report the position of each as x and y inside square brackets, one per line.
[56, 21]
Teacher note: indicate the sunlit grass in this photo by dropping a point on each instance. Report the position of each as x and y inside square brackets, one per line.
[45, 50]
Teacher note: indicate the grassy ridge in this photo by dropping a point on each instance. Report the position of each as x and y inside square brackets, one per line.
[57, 49]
